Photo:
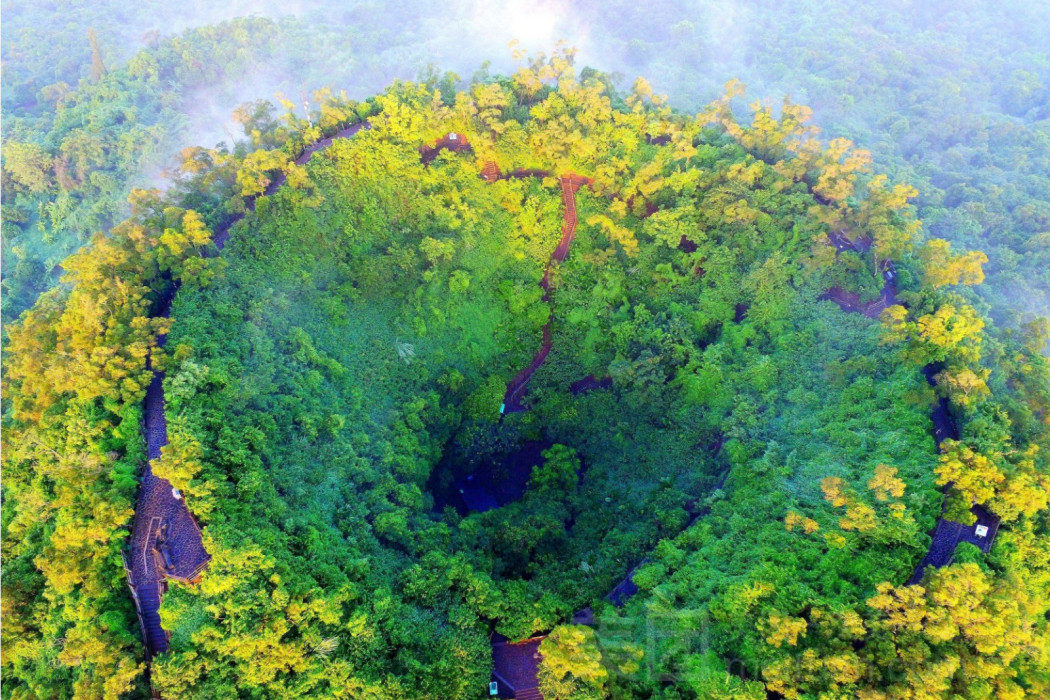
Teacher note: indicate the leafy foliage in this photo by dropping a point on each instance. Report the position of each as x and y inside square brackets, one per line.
[763, 458]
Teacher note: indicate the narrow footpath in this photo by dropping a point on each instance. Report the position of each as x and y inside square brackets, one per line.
[516, 664]
[570, 184]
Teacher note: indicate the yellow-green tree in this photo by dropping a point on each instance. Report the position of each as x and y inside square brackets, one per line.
[962, 631]
[950, 333]
[941, 268]
[974, 477]
[571, 664]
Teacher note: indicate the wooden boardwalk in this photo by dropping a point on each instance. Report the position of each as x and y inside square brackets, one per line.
[570, 184]
[451, 141]
[947, 534]
[516, 664]
[516, 667]
[165, 541]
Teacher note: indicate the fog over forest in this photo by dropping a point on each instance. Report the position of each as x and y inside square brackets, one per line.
[926, 86]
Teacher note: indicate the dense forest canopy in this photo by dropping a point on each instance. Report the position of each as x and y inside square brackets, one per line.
[951, 97]
[742, 336]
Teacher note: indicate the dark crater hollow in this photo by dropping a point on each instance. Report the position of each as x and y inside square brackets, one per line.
[474, 483]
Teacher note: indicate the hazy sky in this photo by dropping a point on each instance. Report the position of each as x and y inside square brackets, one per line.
[908, 79]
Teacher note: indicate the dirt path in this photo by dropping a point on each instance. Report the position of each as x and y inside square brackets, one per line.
[165, 541]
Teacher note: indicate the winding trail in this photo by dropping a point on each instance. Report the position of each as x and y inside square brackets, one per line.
[850, 301]
[516, 664]
[570, 184]
[947, 534]
[165, 541]
[626, 588]
[452, 141]
[590, 383]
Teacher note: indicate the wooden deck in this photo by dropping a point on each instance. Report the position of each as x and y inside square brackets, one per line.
[515, 666]
[451, 141]
[947, 535]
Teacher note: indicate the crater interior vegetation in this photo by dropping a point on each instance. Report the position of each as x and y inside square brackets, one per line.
[708, 420]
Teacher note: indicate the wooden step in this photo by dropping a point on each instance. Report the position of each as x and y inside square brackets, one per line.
[490, 172]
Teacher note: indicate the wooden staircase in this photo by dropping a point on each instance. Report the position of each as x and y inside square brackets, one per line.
[149, 599]
[490, 173]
